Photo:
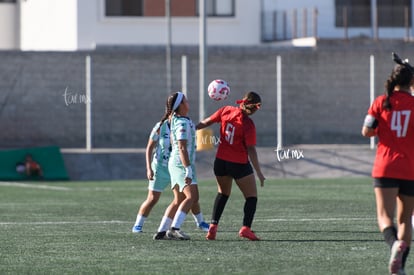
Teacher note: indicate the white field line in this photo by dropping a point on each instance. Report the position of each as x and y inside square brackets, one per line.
[33, 185]
[130, 222]
[63, 223]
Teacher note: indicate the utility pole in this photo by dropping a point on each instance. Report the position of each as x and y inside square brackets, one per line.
[168, 47]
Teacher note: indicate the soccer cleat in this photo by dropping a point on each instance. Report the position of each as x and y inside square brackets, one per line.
[177, 235]
[400, 272]
[397, 252]
[203, 226]
[211, 235]
[137, 229]
[245, 232]
[160, 236]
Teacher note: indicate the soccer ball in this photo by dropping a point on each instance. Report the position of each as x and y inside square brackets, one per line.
[218, 89]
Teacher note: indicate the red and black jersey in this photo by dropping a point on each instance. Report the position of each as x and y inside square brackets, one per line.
[395, 131]
[237, 132]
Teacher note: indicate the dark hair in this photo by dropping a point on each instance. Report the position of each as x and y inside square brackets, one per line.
[401, 75]
[251, 102]
[168, 106]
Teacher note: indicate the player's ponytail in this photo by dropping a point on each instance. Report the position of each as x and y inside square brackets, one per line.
[389, 88]
[250, 103]
[402, 76]
[168, 107]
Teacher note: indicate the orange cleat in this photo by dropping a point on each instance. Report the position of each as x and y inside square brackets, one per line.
[211, 235]
[397, 251]
[245, 232]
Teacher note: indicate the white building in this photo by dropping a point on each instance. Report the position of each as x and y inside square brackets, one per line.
[68, 25]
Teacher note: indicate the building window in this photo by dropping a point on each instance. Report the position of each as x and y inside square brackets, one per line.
[124, 7]
[352, 13]
[177, 8]
[157, 7]
[394, 13]
[219, 7]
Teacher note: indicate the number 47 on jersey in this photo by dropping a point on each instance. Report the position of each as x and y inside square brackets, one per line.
[400, 121]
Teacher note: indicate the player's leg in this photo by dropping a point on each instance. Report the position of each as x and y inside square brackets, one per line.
[191, 195]
[224, 184]
[385, 198]
[196, 209]
[169, 214]
[198, 216]
[405, 207]
[247, 186]
[145, 209]
[155, 187]
[224, 190]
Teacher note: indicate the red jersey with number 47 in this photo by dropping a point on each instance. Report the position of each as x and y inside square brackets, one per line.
[237, 132]
[395, 131]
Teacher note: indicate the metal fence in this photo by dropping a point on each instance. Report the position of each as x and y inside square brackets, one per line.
[387, 21]
[292, 24]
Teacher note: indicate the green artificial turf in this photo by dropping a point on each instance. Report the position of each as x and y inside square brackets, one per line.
[306, 226]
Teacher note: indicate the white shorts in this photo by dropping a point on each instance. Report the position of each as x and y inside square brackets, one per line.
[177, 174]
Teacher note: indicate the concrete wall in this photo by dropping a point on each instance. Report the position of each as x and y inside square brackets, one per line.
[9, 27]
[325, 92]
[316, 161]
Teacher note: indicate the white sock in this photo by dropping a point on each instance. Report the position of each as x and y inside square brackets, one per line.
[140, 220]
[412, 221]
[165, 224]
[178, 219]
[198, 218]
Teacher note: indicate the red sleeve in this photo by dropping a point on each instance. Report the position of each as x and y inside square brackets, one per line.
[216, 117]
[376, 107]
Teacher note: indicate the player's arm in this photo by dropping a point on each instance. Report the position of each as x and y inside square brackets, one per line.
[369, 127]
[148, 157]
[251, 151]
[204, 123]
[368, 132]
[185, 160]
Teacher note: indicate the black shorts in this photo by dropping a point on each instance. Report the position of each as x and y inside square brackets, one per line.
[406, 187]
[235, 170]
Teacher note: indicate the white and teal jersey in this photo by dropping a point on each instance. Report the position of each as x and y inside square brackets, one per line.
[182, 128]
[161, 135]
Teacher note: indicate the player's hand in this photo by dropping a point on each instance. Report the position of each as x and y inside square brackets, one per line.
[188, 181]
[150, 174]
[188, 175]
[261, 179]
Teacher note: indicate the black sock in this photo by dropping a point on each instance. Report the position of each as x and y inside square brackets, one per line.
[218, 207]
[390, 235]
[249, 211]
[404, 257]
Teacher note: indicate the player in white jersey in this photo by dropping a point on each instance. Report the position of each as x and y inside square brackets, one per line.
[182, 164]
[157, 156]
[183, 130]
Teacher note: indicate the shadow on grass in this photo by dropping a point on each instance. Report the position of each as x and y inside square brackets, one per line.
[301, 236]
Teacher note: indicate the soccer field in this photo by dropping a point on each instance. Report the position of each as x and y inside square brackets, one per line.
[307, 226]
